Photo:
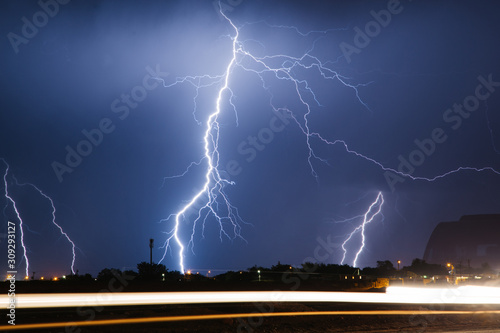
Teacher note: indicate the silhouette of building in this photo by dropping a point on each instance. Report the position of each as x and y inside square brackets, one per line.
[471, 241]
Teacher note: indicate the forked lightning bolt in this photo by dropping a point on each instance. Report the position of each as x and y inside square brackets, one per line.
[373, 211]
[14, 206]
[287, 70]
[73, 246]
[22, 225]
[213, 189]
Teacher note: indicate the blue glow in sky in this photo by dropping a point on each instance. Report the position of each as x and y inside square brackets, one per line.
[412, 87]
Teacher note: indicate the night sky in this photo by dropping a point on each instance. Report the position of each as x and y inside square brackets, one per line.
[417, 82]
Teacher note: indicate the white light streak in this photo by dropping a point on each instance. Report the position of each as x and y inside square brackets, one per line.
[467, 295]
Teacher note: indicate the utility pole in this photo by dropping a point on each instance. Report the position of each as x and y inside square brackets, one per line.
[151, 241]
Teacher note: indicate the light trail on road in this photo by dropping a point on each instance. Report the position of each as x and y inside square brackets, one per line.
[394, 295]
[238, 315]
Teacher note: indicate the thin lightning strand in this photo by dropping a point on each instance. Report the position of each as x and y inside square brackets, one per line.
[25, 255]
[73, 246]
[368, 217]
[429, 179]
[349, 219]
[490, 129]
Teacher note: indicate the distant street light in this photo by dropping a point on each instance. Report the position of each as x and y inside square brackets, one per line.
[259, 274]
[399, 261]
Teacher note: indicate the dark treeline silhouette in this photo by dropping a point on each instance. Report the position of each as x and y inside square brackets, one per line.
[308, 270]
[420, 267]
[145, 272]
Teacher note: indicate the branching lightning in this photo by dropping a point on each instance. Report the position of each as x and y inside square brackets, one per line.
[213, 188]
[22, 226]
[73, 246]
[373, 211]
[211, 199]
[14, 206]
